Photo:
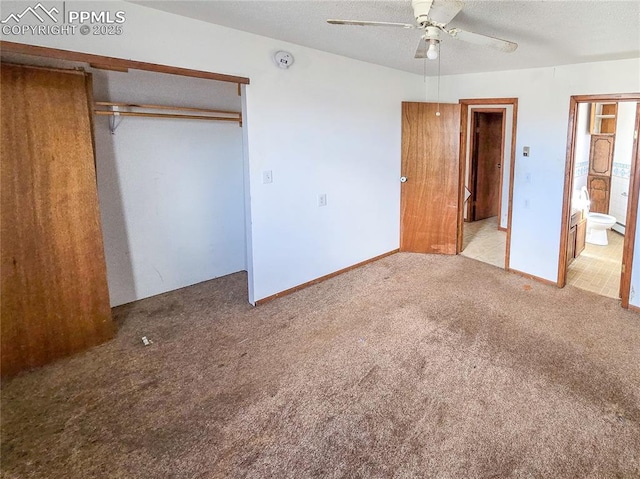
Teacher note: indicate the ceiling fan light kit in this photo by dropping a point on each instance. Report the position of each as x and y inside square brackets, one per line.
[432, 51]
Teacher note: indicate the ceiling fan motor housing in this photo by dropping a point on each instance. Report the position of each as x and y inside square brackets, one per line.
[432, 33]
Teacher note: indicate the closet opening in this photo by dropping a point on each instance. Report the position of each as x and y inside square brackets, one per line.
[171, 171]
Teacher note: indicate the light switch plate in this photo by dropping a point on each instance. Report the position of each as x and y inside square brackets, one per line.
[267, 177]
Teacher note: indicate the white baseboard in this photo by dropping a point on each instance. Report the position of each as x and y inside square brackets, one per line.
[619, 228]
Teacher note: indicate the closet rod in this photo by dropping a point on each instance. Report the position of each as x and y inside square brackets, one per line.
[164, 107]
[166, 115]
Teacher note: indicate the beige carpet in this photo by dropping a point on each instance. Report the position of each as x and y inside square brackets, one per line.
[413, 366]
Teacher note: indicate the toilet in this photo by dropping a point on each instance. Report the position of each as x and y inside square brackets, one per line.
[597, 224]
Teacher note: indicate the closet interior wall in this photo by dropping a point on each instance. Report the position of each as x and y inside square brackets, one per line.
[171, 190]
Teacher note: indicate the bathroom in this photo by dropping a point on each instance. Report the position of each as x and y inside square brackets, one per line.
[603, 160]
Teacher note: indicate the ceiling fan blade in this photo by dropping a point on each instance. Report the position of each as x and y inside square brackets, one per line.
[443, 11]
[370, 24]
[484, 40]
[421, 51]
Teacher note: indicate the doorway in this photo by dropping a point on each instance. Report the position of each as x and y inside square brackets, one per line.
[486, 160]
[601, 195]
[487, 147]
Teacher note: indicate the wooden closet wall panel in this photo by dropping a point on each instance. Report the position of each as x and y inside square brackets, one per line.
[599, 190]
[54, 297]
[601, 155]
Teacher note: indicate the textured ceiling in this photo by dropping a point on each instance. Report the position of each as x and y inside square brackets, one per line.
[548, 32]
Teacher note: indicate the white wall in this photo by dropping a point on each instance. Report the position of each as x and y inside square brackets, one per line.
[506, 160]
[332, 125]
[622, 151]
[327, 125]
[543, 112]
[171, 191]
[582, 149]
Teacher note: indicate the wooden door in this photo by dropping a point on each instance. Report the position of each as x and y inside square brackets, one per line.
[54, 298]
[486, 164]
[571, 246]
[430, 162]
[601, 155]
[581, 237]
[599, 187]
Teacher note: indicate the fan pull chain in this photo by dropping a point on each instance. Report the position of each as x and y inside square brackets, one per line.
[424, 69]
[438, 110]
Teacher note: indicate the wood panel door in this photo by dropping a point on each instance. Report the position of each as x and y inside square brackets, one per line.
[581, 237]
[430, 163]
[486, 164]
[54, 298]
[601, 155]
[599, 187]
[571, 246]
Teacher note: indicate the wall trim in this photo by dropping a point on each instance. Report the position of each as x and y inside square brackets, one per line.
[534, 277]
[324, 278]
[631, 225]
[113, 63]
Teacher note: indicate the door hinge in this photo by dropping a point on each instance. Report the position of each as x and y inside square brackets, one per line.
[635, 135]
[623, 268]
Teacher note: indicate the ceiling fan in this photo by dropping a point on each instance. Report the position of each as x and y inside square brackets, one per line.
[432, 16]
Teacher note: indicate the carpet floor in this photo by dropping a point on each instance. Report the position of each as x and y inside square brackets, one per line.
[412, 366]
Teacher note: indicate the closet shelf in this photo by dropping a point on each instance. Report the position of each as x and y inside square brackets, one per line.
[115, 109]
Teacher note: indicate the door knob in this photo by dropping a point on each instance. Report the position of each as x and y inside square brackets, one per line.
[403, 179]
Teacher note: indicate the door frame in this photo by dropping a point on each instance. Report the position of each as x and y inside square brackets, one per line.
[471, 171]
[465, 107]
[634, 185]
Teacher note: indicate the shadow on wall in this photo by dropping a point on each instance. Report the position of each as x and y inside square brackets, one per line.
[122, 287]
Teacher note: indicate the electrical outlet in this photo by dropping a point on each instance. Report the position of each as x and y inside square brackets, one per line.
[526, 151]
[526, 203]
[267, 177]
[322, 199]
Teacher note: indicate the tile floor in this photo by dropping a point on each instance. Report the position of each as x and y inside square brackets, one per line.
[597, 269]
[485, 242]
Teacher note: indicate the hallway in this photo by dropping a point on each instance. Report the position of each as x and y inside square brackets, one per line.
[484, 242]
